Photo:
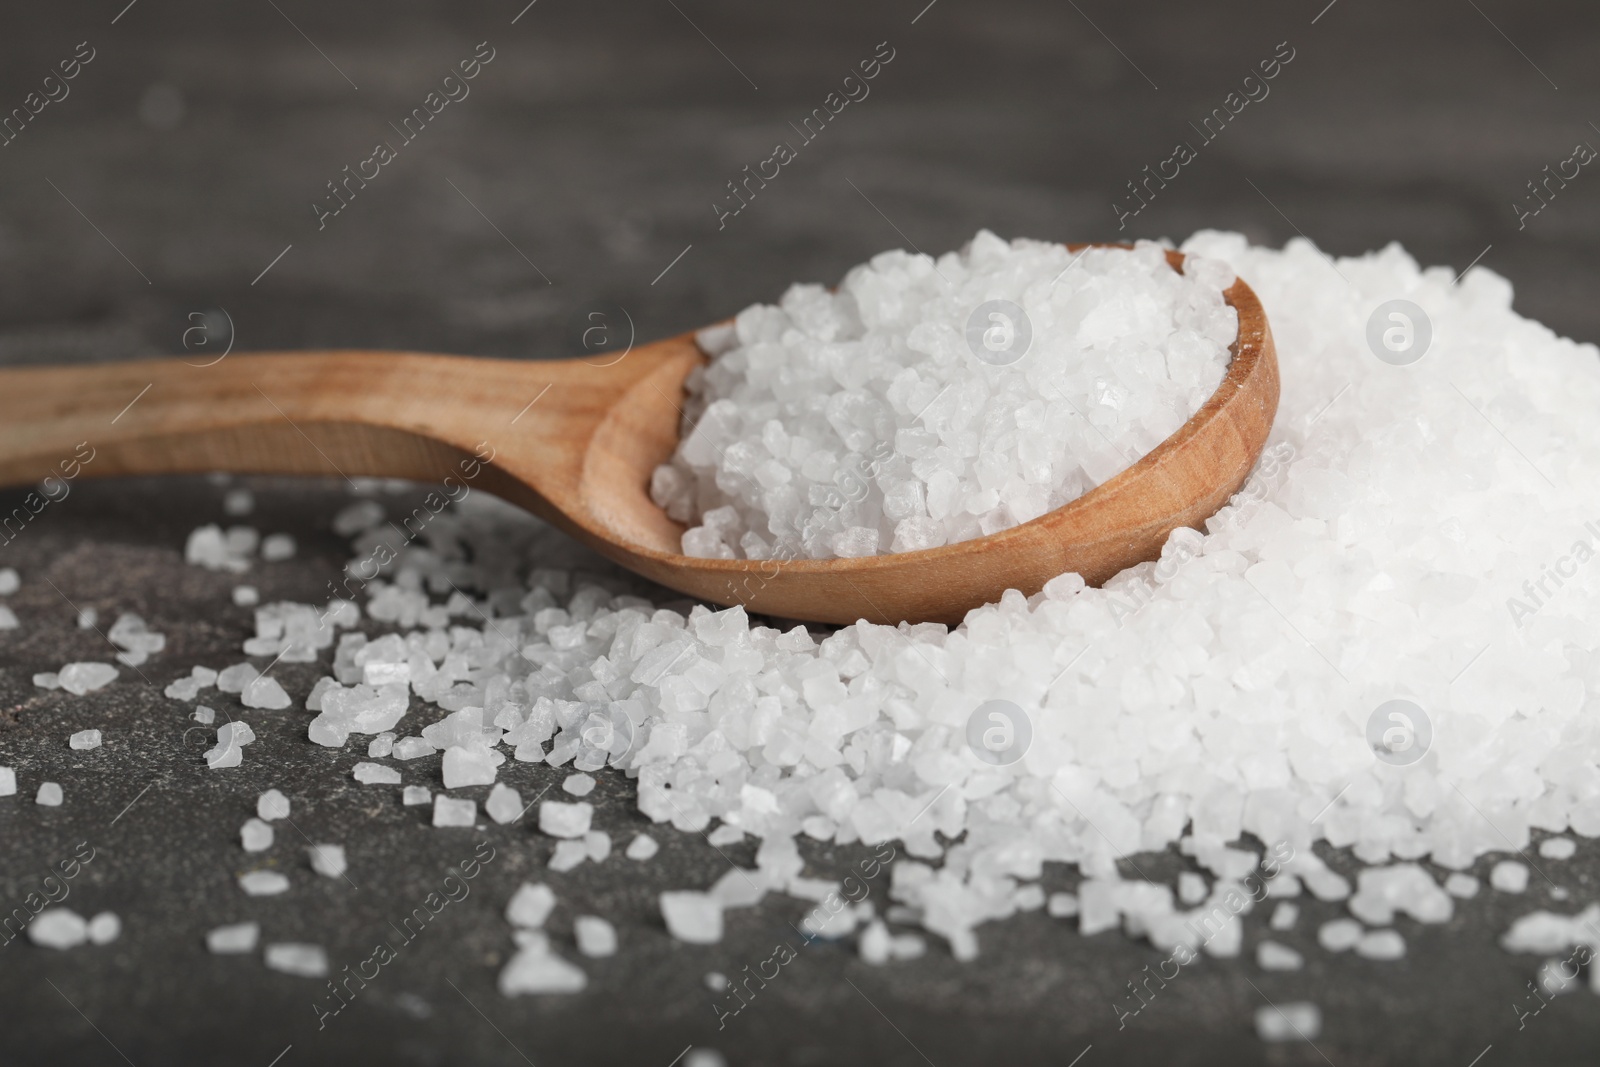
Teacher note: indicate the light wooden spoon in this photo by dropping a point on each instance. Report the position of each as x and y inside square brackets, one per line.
[575, 442]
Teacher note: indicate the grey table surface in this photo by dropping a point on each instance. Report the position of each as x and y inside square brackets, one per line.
[177, 178]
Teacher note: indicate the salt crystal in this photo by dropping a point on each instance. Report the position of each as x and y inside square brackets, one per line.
[382, 746]
[530, 905]
[233, 679]
[579, 785]
[8, 781]
[1558, 848]
[1381, 945]
[1284, 916]
[296, 958]
[1062, 906]
[328, 860]
[256, 836]
[704, 1057]
[376, 774]
[59, 928]
[716, 981]
[238, 501]
[410, 748]
[8, 618]
[9, 582]
[692, 917]
[448, 811]
[272, 805]
[559, 819]
[264, 692]
[47, 680]
[1461, 885]
[81, 678]
[469, 766]
[49, 795]
[1509, 876]
[504, 804]
[540, 971]
[596, 937]
[568, 855]
[263, 883]
[233, 939]
[87, 618]
[84, 740]
[204, 715]
[642, 847]
[1289, 1021]
[245, 596]
[597, 845]
[1339, 935]
[104, 928]
[277, 547]
[1271, 956]
[415, 794]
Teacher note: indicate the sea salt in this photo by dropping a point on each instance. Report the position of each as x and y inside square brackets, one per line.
[692, 917]
[104, 928]
[1271, 956]
[559, 819]
[8, 781]
[204, 715]
[245, 596]
[1339, 935]
[9, 581]
[530, 905]
[277, 547]
[256, 836]
[641, 848]
[1381, 945]
[597, 844]
[264, 692]
[448, 811]
[49, 795]
[504, 804]
[81, 678]
[568, 855]
[1558, 848]
[1461, 885]
[1509, 876]
[579, 785]
[272, 805]
[416, 794]
[232, 737]
[84, 740]
[233, 939]
[8, 618]
[328, 860]
[263, 883]
[538, 970]
[929, 402]
[59, 928]
[1296, 1021]
[375, 774]
[296, 958]
[596, 937]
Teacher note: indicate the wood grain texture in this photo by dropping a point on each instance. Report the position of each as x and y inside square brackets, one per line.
[575, 442]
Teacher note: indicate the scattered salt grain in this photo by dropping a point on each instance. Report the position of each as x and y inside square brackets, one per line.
[296, 958]
[692, 917]
[642, 847]
[448, 811]
[204, 715]
[716, 981]
[1284, 916]
[60, 928]
[1293, 1021]
[210, 548]
[559, 819]
[277, 547]
[8, 781]
[1558, 848]
[256, 836]
[530, 905]
[1461, 885]
[264, 692]
[1271, 956]
[465, 766]
[9, 582]
[232, 737]
[410, 748]
[104, 928]
[596, 937]
[8, 618]
[87, 618]
[568, 855]
[84, 740]
[47, 680]
[375, 774]
[415, 794]
[579, 785]
[1509, 876]
[538, 970]
[238, 502]
[263, 883]
[382, 746]
[328, 860]
[246, 596]
[1381, 945]
[1061, 906]
[137, 641]
[272, 805]
[233, 939]
[704, 1057]
[504, 803]
[49, 795]
[1339, 935]
[81, 678]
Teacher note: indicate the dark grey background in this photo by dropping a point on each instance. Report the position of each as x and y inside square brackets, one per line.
[596, 142]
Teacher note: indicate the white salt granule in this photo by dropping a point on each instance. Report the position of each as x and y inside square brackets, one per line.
[1339, 935]
[1284, 916]
[272, 805]
[448, 811]
[210, 548]
[47, 680]
[328, 860]
[596, 937]
[1558, 848]
[469, 766]
[9, 581]
[1062, 906]
[245, 596]
[559, 819]
[233, 939]
[238, 502]
[264, 692]
[642, 847]
[725, 835]
[263, 883]
[530, 905]
[382, 746]
[296, 958]
[1461, 885]
[104, 928]
[87, 618]
[84, 740]
[60, 928]
[375, 774]
[579, 785]
[716, 981]
[568, 855]
[137, 641]
[504, 803]
[1297, 1021]
[692, 917]
[353, 518]
[8, 781]
[204, 715]
[256, 836]
[416, 794]
[1191, 888]
[49, 795]
[8, 618]
[704, 1057]
[229, 749]
[81, 678]
[1509, 876]
[410, 748]
[922, 404]
[597, 845]
[1381, 945]
[538, 970]
[277, 547]
[1271, 956]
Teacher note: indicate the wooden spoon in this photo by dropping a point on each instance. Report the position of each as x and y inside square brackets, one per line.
[575, 442]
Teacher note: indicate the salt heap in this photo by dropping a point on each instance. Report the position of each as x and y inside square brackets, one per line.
[928, 402]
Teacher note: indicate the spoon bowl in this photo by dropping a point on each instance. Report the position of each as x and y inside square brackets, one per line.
[575, 442]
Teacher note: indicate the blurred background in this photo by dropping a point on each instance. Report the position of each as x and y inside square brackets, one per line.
[165, 205]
